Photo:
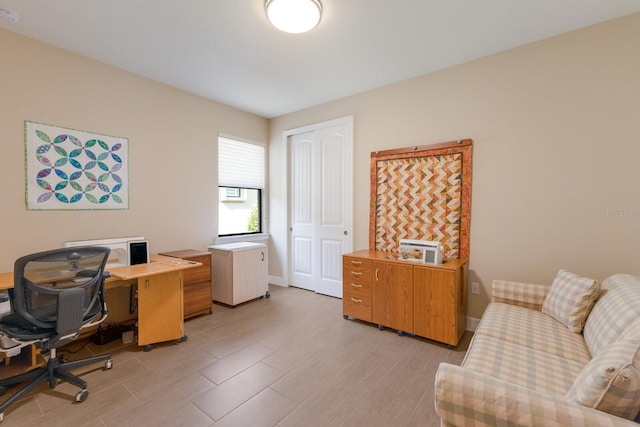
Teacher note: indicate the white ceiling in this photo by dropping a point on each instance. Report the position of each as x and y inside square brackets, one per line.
[225, 50]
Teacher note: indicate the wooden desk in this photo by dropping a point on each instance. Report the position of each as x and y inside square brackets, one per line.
[159, 296]
[6, 281]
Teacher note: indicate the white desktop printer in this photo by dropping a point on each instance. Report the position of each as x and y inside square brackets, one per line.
[431, 251]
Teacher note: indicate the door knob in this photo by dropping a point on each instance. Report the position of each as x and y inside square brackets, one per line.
[346, 232]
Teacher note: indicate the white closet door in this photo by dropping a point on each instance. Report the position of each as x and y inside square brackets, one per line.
[321, 165]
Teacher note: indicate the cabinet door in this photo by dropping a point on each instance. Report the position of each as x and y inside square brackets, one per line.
[393, 295]
[249, 274]
[160, 310]
[435, 301]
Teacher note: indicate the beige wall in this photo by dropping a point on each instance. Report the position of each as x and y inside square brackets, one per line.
[555, 125]
[172, 149]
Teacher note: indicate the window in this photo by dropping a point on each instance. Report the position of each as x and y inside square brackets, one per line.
[241, 168]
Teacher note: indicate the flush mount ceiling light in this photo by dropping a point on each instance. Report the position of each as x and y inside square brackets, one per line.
[294, 16]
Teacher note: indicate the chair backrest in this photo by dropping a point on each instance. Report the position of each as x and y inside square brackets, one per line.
[60, 289]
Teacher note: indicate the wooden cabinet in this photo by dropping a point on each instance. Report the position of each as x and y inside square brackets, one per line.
[239, 272]
[160, 308]
[409, 296]
[196, 282]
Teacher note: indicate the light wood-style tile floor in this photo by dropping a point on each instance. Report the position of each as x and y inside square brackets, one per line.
[291, 360]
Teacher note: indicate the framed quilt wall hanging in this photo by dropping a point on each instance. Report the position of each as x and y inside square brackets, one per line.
[69, 169]
[422, 193]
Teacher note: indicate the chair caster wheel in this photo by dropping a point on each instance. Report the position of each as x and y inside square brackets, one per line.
[268, 295]
[184, 338]
[82, 395]
[380, 327]
[147, 348]
[400, 333]
[345, 317]
[108, 364]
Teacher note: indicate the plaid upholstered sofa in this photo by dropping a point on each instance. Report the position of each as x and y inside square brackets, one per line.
[565, 354]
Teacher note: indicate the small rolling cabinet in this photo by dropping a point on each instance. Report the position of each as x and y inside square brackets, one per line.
[196, 281]
[239, 272]
[411, 296]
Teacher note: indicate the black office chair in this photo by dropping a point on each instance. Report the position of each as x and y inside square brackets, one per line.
[55, 294]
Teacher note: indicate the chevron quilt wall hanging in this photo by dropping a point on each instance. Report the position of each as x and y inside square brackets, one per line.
[422, 193]
[69, 169]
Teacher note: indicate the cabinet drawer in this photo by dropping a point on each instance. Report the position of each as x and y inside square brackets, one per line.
[356, 269]
[357, 298]
[197, 298]
[356, 305]
[198, 274]
[357, 287]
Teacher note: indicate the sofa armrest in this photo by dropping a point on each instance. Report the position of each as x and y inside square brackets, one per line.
[467, 398]
[527, 295]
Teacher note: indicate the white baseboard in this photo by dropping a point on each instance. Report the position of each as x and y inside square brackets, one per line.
[472, 323]
[276, 280]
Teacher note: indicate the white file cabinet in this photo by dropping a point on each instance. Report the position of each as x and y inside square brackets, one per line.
[239, 272]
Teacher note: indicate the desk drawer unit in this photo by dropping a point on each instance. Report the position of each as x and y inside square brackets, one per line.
[197, 287]
[356, 288]
[197, 282]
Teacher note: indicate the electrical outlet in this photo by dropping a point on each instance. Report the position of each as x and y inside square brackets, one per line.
[475, 288]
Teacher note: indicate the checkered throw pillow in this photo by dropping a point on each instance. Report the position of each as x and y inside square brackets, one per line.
[570, 299]
[610, 382]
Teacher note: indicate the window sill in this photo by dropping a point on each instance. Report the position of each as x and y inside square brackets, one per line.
[262, 237]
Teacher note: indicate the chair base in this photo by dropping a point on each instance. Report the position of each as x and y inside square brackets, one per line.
[55, 369]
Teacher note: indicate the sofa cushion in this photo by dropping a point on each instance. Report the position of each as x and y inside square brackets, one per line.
[631, 331]
[611, 381]
[534, 369]
[570, 299]
[532, 329]
[614, 311]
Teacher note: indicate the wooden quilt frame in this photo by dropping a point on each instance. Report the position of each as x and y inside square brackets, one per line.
[422, 192]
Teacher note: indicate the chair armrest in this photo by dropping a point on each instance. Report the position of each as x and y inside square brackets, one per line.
[527, 295]
[467, 398]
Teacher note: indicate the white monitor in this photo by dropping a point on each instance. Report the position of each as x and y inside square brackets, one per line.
[121, 249]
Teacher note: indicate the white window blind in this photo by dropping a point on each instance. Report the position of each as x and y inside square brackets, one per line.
[240, 164]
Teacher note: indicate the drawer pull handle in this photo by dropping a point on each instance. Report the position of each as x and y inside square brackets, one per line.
[355, 285]
[356, 273]
[356, 300]
[377, 275]
[356, 262]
